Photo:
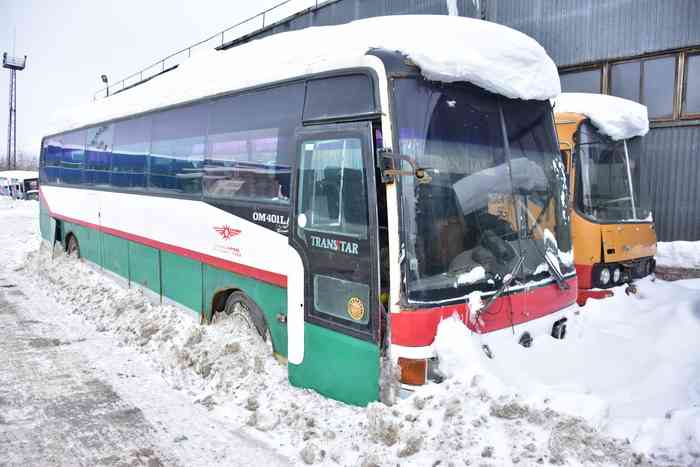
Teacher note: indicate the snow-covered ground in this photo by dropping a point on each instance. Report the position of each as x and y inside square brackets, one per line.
[623, 388]
[678, 254]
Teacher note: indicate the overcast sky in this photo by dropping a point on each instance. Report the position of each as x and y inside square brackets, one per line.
[69, 44]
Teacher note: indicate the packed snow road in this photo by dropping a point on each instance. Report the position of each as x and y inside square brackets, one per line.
[92, 373]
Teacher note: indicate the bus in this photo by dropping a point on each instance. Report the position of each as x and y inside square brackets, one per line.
[346, 187]
[19, 184]
[612, 229]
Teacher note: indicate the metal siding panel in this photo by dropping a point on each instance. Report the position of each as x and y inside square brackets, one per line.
[581, 31]
[669, 167]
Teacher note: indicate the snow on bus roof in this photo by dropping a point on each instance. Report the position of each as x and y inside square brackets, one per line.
[614, 116]
[19, 174]
[445, 48]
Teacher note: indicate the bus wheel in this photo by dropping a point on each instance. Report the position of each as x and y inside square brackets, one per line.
[239, 305]
[73, 247]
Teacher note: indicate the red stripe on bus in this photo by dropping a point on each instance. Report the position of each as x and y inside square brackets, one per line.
[417, 328]
[273, 278]
[585, 276]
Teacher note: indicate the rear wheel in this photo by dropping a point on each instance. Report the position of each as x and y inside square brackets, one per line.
[73, 247]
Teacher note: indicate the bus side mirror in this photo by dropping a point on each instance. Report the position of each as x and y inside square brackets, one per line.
[387, 162]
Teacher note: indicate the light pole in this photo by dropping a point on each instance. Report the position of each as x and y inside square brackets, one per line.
[106, 81]
[14, 64]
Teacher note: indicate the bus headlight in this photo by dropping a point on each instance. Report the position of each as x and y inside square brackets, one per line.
[604, 276]
[616, 275]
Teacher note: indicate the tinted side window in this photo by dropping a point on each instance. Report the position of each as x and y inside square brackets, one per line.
[51, 152]
[581, 81]
[691, 102]
[659, 85]
[339, 96]
[625, 79]
[250, 144]
[98, 155]
[131, 144]
[72, 157]
[177, 149]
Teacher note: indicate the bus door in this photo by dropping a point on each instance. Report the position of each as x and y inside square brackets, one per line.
[333, 292]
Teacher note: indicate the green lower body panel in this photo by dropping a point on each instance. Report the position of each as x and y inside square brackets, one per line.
[271, 299]
[182, 280]
[186, 281]
[115, 255]
[144, 266]
[44, 222]
[338, 366]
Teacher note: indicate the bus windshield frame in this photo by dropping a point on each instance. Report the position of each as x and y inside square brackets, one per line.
[496, 192]
[604, 190]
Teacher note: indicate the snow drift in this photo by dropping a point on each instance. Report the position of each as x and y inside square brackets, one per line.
[446, 48]
[614, 116]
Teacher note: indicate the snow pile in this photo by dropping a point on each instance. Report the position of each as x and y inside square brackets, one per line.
[629, 365]
[446, 48]
[471, 418]
[614, 116]
[678, 254]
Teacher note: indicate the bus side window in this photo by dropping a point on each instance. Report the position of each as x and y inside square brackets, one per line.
[332, 187]
[249, 145]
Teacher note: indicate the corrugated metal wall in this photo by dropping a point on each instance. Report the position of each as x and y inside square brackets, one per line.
[576, 32]
[581, 31]
[343, 11]
[669, 180]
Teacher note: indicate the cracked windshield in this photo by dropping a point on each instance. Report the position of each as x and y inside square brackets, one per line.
[604, 178]
[483, 207]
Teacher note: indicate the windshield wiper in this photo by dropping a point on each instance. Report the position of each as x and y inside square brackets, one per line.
[507, 279]
[554, 270]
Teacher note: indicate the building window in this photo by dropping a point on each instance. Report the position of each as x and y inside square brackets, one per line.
[658, 86]
[582, 81]
[625, 80]
[691, 100]
[650, 81]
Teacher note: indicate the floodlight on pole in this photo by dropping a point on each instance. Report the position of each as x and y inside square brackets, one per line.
[106, 81]
[14, 64]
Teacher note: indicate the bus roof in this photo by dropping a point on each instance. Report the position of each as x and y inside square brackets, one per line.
[613, 116]
[19, 174]
[445, 48]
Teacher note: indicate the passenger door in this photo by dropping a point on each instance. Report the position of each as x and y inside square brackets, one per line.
[334, 317]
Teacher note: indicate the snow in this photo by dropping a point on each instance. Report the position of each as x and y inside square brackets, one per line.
[446, 48]
[613, 116]
[678, 254]
[18, 174]
[621, 389]
[475, 275]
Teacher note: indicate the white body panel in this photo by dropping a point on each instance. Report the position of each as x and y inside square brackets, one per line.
[185, 224]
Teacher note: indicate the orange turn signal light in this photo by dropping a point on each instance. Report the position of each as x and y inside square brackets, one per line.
[413, 371]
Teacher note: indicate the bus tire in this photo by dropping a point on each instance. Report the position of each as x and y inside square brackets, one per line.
[72, 246]
[238, 304]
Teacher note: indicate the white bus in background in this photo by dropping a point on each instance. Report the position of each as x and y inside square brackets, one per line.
[19, 184]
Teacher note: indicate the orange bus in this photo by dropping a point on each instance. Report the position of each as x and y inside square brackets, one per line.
[613, 233]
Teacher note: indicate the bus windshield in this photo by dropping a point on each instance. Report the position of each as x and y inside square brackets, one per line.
[496, 191]
[604, 189]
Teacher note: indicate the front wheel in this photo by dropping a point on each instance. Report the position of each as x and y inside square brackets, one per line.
[239, 305]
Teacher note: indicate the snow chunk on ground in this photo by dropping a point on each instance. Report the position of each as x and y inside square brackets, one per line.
[614, 116]
[446, 48]
[678, 254]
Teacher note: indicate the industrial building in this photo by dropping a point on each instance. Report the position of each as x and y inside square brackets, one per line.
[644, 50]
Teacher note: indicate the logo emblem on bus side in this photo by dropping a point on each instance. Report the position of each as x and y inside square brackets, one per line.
[356, 309]
[227, 232]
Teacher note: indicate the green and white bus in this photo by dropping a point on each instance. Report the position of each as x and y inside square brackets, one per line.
[347, 186]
